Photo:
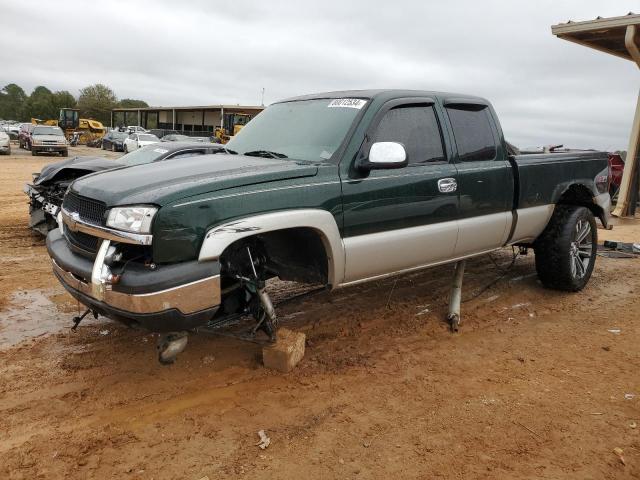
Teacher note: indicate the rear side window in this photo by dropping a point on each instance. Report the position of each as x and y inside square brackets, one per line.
[416, 127]
[472, 132]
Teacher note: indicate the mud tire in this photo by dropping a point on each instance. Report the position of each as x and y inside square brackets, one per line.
[553, 249]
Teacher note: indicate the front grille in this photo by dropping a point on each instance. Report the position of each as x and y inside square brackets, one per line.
[90, 210]
[83, 241]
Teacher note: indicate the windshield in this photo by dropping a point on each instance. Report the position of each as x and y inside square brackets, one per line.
[303, 130]
[143, 155]
[47, 131]
[148, 138]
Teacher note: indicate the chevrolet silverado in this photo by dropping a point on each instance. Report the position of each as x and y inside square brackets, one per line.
[333, 189]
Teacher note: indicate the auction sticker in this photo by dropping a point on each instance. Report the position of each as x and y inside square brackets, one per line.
[357, 103]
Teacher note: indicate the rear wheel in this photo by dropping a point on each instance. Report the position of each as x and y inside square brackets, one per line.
[125, 149]
[566, 250]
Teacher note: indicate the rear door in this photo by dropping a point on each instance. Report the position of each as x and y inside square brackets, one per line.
[400, 219]
[485, 177]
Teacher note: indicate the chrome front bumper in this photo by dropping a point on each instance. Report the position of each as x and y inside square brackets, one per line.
[190, 298]
[166, 298]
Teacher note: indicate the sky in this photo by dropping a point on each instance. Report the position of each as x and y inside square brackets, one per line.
[199, 52]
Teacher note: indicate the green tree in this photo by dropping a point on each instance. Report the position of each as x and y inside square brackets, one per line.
[97, 101]
[40, 104]
[63, 99]
[12, 102]
[131, 103]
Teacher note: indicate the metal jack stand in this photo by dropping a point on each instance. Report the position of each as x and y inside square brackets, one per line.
[456, 297]
[78, 319]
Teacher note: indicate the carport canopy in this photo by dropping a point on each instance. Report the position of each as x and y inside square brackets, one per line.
[619, 36]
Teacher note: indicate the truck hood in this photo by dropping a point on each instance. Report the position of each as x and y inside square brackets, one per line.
[73, 167]
[164, 182]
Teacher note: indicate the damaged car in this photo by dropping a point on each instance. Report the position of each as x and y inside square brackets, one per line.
[48, 187]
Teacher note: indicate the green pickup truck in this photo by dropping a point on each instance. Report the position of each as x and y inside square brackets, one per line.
[330, 189]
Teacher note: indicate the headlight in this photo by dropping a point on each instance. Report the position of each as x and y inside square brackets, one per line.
[131, 219]
[36, 142]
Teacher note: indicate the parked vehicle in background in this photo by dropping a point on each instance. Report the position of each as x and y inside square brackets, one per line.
[616, 168]
[333, 189]
[161, 132]
[24, 135]
[175, 137]
[46, 139]
[114, 141]
[47, 188]
[178, 137]
[137, 140]
[136, 129]
[5, 143]
[12, 129]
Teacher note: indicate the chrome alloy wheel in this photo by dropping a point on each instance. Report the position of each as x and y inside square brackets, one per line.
[580, 249]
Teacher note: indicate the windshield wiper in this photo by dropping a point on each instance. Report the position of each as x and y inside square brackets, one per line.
[265, 154]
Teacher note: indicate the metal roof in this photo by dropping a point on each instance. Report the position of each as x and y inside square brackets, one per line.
[604, 34]
[201, 107]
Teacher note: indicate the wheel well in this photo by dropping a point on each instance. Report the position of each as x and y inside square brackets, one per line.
[580, 195]
[294, 254]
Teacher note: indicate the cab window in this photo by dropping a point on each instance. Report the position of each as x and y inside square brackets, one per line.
[416, 127]
[472, 131]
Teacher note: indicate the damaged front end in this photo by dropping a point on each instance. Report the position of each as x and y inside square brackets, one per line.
[49, 186]
[44, 205]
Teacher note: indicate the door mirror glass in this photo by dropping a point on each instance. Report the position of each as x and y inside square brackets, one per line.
[387, 155]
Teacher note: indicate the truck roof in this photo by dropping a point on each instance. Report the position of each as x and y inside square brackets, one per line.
[390, 94]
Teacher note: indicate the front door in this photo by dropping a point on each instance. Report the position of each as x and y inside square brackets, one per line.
[400, 219]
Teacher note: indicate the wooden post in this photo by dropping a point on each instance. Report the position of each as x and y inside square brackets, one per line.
[631, 163]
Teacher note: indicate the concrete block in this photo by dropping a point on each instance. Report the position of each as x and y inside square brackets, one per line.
[285, 354]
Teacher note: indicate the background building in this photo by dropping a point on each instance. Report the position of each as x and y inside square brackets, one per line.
[188, 120]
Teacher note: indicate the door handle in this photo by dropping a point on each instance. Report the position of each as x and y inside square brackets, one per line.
[447, 185]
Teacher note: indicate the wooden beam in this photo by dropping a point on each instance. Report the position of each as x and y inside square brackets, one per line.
[631, 163]
[630, 168]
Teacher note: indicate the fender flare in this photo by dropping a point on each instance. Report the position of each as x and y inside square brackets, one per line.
[218, 238]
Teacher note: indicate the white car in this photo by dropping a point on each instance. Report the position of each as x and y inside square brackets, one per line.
[136, 129]
[137, 140]
[5, 144]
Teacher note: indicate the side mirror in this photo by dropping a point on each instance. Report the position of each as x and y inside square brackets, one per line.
[384, 155]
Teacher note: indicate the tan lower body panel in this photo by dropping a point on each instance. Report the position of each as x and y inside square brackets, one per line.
[531, 222]
[395, 250]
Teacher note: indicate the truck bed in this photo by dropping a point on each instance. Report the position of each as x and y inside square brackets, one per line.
[541, 179]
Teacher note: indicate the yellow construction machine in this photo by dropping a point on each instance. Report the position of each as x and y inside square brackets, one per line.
[70, 122]
[232, 124]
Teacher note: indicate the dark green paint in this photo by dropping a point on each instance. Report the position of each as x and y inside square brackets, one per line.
[197, 193]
